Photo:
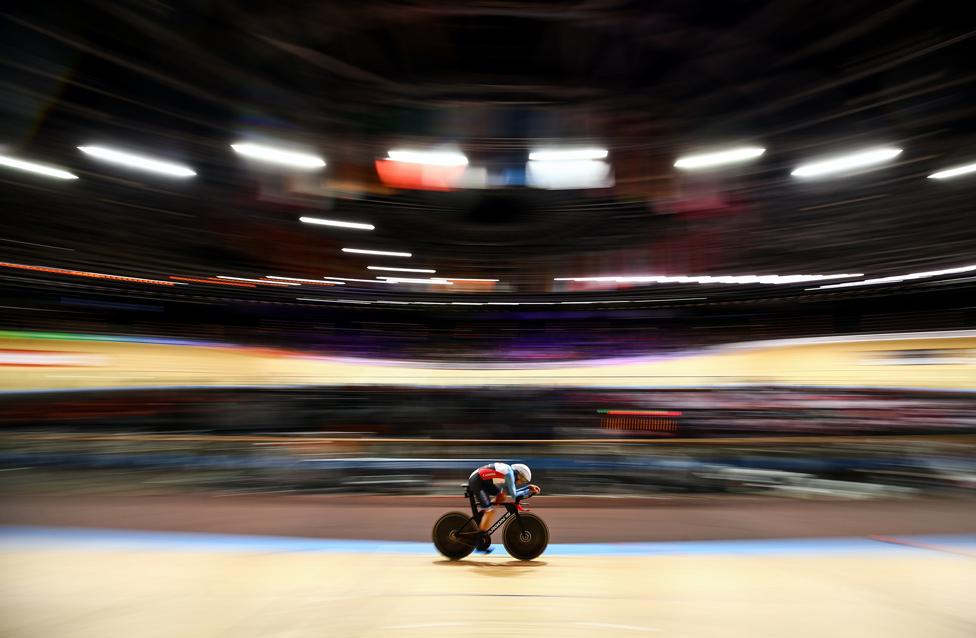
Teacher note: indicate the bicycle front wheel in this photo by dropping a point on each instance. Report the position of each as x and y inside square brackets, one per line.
[455, 535]
[527, 541]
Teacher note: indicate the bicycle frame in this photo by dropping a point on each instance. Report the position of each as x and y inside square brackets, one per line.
[510, 509]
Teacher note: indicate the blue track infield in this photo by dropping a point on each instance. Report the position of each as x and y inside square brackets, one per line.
[25, 537]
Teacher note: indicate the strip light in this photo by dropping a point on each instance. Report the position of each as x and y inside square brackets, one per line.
[432, 158]
[495, 303]
[33, 167]
[471, 280]
[367, 281]
[708, 160]
[559, 155]
[844, 163]
[954, 172]
[336, 223]
[414, 280]
[85, 273]
[427, 270]
[640, 412]
[709, 279]
[278, 156]
[317, 282]
[897, 278]
[381, 253]
[141, 162]
[258, 281]
[201, 280]
[355, 301]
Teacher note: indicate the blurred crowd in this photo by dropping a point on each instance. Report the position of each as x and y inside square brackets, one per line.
[797, 442]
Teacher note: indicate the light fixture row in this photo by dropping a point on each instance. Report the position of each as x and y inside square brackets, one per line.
[833, 165]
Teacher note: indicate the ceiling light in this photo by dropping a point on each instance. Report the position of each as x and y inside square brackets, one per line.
[710, 279]
[898, 278]
[32, 167]
[359, 301]
[953, 172]
[278, 156]
[368, 281]
[382, 253]
[708, 160]
[434, 158]
[201, 280]
[413, 280]
[844, 163]
[465, 303]
[258, 281]
[336, 223]
[85, 273]
[141, 162]
[400, 269]
[319, 282]
[559, 155]
[567, 175]
[470, 280]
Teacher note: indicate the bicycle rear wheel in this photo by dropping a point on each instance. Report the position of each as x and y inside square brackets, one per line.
[527, 541]
[455, 535]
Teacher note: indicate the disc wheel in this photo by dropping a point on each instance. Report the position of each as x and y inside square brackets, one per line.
[448, 535]
[527, 541]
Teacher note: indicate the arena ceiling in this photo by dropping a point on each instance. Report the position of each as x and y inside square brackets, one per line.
[647, 82]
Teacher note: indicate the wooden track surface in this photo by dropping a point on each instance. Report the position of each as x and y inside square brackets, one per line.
[98, 593]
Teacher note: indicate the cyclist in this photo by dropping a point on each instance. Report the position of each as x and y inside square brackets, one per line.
[491, 483]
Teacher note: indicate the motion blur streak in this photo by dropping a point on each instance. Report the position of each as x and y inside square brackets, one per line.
[278, 156]
[954, 172]
[704, 269]
[33, 167]
[906, 277]
[846, 163]
[84, 273]
[218, 282]
[719, 158]
[859, 361]
[141, 162]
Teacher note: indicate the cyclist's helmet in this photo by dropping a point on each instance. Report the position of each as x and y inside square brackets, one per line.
[523, 471]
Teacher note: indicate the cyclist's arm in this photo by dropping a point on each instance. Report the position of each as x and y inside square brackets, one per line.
[515, 492]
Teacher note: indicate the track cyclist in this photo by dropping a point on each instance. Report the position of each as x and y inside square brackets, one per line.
[491, 484]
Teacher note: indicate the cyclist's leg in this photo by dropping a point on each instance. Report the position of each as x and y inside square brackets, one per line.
[485, 495]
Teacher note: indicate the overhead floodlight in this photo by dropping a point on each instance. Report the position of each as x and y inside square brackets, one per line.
[954, 172]
[899, 278]
[433, 158]
[354, 301]
[708, 279]
[719, 158]
[319, 282]
[32, 167]
[559, 155]
[844, 163]
[335, 222]
[382, 253]
[366, 281]
[568, 174]
[278, 156]
[259, 281]
[140, 162]
[427, 270]
[414, 280]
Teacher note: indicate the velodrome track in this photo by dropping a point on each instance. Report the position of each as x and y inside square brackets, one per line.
[850, 569]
